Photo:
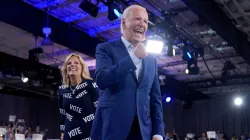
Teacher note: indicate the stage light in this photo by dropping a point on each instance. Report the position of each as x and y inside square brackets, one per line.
[173, 52]
[189, 55]
[154, 46]
[186, 71]
[238, 101]
[24, 79]
[192, 66]
[90, 8]
[47, 41]
[117, 13]
[113, 13]
[47, 31]
[168, 99]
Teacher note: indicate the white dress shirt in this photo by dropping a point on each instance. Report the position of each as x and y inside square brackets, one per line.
[138, 63]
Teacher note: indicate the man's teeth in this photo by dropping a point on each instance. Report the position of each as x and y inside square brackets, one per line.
[139, 31]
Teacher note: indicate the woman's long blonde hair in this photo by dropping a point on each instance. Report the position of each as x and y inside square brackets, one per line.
[85, 70]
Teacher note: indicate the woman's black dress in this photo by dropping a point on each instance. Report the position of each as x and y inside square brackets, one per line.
[77, 108]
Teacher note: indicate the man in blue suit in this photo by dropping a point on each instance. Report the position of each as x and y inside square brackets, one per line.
[130, 103]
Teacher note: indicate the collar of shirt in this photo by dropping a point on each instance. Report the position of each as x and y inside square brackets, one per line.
[126, 43]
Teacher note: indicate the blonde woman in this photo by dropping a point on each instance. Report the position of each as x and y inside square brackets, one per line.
[77, 99]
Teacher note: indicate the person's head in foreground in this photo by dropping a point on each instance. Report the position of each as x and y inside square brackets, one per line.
[134, 24]
[74, 70]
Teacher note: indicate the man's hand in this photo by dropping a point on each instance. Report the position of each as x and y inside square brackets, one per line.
[155, 138]
[140, 51]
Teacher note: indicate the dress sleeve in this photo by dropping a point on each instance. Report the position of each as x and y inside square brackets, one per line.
[62, 111]
[94, 93]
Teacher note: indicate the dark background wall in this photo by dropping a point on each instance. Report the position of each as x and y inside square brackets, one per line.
[216, 114]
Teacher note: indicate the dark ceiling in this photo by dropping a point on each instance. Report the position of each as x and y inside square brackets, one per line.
[203, 22]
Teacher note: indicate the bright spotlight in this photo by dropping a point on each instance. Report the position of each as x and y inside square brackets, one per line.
[113, 12]
[173, 52]
[189, 55]
[25, 79]
[168, 99]
[187, 71]
[154, 46]
[237, 101]
[117, 13]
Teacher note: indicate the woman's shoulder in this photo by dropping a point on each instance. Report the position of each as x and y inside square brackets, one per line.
[89, 80]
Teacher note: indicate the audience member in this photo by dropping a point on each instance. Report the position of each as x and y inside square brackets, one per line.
[203, 136]
[29, 137]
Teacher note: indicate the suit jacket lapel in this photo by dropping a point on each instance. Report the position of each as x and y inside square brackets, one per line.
[143, 70]
[122, 50]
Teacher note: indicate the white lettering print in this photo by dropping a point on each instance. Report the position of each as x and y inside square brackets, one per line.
[69, 117]
[94, 85]
[62, 111]
[81, 94]
[75, 132]
[63, 86]
[87, 138]
[75, 108]
[95, 103]
[62, 127]
[83, 85]
[67, 95]
[89, 118]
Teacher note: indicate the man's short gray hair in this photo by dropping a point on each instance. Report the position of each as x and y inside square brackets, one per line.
[126, 13]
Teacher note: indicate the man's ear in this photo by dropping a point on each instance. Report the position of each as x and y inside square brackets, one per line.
[123, 23]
